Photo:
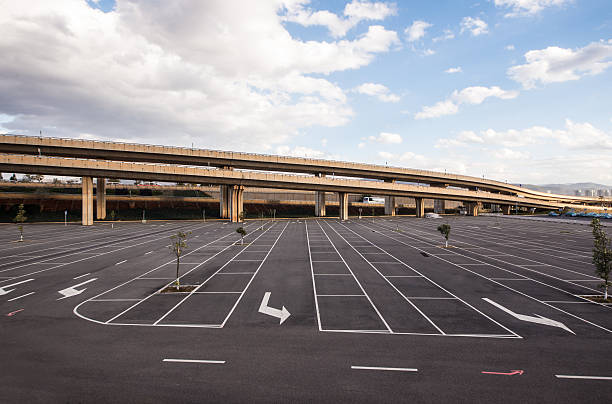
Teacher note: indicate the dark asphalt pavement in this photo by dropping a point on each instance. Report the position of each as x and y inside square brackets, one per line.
[379, 312]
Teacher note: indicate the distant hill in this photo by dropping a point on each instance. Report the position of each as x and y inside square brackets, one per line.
[567, 189]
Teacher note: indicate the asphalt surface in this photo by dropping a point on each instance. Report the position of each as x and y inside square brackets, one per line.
[379, 311]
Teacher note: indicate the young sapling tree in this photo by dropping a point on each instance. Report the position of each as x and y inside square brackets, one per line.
[445, 230]
[178, 247]
[602, 255]
[242, 233]
[19, 219]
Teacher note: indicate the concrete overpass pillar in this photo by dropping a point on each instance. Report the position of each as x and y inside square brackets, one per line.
[439, 206]
[87, 199]
[420, 207]
[472, 208]
[320, 203]
[235, 202]
[390, 202]
[505, 209]
[390, 205]
[224, 201]
[101, 199]
[343, 199]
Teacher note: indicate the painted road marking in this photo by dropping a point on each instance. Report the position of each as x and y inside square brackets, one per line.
[3, 290]
[12, 313]
[511, 373]
[194, 361]
[148, 253]
[583, 377]
[531, 319]
[19, 297]
[120, 262]
[81, 276]
[72, 291]
[384, 368]
[282, 314]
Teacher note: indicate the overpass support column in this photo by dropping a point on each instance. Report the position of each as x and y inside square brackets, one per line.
[343, 199]
[101, 199]
[390, 202]
[420, 207]
[224, 201]
[472, 208]
[439, 206]
[390, 205]
[320, 203]
[87, 199]
[505, 209]
[235, 202]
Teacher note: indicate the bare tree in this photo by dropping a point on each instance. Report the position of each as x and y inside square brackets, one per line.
[602, 255]
[178, 246]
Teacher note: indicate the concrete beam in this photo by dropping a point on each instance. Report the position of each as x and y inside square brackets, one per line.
[87, 201]
[320, 203]
[420, 207]
[101, 198]
[472, 208]
[343, 198]
[224, 199]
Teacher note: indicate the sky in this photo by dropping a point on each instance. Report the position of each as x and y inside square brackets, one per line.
[511, 90]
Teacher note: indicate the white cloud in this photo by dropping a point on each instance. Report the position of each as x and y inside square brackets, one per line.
[361, 145]
[509, 154]
[452, 70]
[354, 12]
[301, 151]
[475, 26]
[574, 136]
[417, 30]
[386, 155]
[528, 7]
[509, 47]
[324, 142]
[377, 90]
[429, 52]
[470, 95]
[555, 64]
[222, 74]
[446, 35]
[386, 138]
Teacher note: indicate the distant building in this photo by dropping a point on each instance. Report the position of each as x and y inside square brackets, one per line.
[600, 192]
[578, 192]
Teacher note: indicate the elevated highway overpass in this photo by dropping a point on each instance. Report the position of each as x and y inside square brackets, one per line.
[115, 151]
[234, 181]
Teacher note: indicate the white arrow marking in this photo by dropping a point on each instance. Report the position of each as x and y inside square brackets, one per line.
[71, 291]
[532, 319]
[263, 308]
[3, 291]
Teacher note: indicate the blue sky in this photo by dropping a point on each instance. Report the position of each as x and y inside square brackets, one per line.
[512, 90]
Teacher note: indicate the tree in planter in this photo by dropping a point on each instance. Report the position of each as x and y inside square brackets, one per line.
[602, 255]
[242, 233]
[178, 246]
[20, 218]
[445, 230]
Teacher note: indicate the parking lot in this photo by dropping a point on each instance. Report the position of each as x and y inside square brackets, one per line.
[371, 309]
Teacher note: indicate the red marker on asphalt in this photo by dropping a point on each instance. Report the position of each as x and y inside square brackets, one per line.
[12, 313]
[512, 373]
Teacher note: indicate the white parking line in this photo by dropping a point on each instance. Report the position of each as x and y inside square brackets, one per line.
[81, 276]
[583, 377]
[19, 297]
[194, 361]
[120, 262]
[384, 368]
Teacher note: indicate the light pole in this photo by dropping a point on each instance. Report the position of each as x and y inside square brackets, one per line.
[204, 214]
[66, 218]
